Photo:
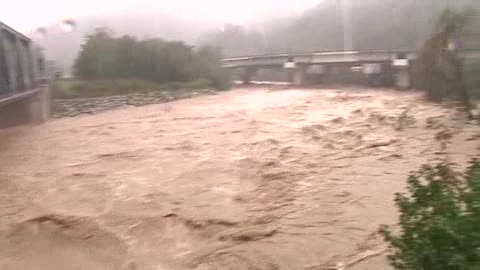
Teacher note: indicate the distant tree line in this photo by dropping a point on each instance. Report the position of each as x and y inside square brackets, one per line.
[376, 25]
[438, 30]
[104, 56]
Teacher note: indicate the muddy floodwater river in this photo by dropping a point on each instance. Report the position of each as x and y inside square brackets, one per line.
[254, 178]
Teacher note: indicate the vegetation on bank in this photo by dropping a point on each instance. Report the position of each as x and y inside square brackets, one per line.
[77, 88]
[439, 220]
[440, 69]
[117, 65]
[439, 224]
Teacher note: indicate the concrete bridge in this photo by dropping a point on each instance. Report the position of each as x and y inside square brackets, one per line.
[377, 67]
[23, 89]
[393, 66]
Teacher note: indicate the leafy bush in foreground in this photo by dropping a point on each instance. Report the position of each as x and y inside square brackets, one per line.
[439, 220]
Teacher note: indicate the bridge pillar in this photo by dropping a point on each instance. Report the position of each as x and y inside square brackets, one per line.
[299, 76]
[248, 73]
[402, 78]
[402, 74]
[39, 106]
[33, 109]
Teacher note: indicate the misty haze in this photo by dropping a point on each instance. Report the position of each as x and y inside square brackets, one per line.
[288, 134]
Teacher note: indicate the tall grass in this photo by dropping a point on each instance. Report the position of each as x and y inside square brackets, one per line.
[75, 88]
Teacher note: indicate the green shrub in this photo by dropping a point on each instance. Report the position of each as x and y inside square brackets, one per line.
[439, 220]
[72, 88]
[220, 80]
[195, 84]
[106, 56]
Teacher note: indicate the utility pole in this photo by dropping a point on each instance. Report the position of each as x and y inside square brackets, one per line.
[346, 13]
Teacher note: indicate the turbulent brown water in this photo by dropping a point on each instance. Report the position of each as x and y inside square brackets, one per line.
[248, 179]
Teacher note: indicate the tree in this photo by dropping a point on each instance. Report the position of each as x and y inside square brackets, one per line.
[376, 25]
[96, 57]
[439, 220]
[106, 56]
[440, 67]
[208, 65]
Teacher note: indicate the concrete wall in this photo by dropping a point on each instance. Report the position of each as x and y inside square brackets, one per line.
[32, 109]
[24, 94]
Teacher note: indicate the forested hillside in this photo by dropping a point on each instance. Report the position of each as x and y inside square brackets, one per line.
[376, 24]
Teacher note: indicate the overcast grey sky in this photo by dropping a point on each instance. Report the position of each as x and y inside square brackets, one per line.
[26, 15]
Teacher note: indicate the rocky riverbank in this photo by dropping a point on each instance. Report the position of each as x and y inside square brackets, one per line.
[76, 106]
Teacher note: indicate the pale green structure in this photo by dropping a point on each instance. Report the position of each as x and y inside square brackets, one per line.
[24, 94]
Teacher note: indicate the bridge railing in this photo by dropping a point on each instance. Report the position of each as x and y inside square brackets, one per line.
[321, 57]
[21, 65]
[24, 92]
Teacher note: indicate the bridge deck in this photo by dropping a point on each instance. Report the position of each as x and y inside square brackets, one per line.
[316, 58]
[327, 57]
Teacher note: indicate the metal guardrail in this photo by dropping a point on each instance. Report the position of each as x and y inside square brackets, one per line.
[323, 57]
[7, 99]
[326, 57]
[300, 54]
[21, 66]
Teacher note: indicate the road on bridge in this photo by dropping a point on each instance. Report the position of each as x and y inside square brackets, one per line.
[247, 179]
